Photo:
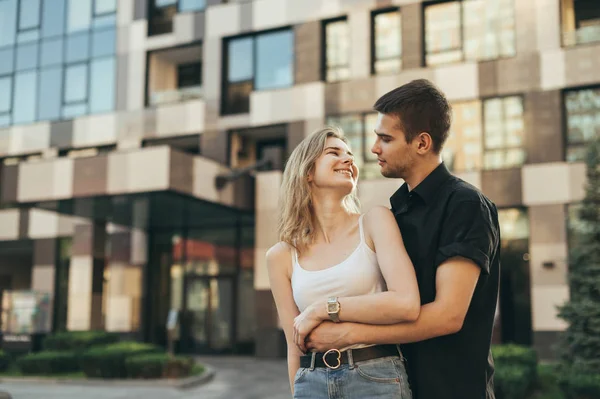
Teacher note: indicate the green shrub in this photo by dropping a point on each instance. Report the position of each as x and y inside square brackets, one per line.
[109, 361]
[516, 370]
[78, 341]
[4, 361]
[580, 385]
[158, 365]
[48, 363]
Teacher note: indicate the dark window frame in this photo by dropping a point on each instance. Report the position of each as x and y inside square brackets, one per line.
[225, 84]
[373, 38]
[462, 59]
[32, 28]
[324, 69]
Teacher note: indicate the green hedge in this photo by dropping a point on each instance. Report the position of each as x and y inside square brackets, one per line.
[78, 341]
[109, 361]
[48, 362]
[516, 371]
[158, 365]
[4, 361]
[579, 385]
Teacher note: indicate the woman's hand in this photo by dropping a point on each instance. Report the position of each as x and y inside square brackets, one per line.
[307, 321]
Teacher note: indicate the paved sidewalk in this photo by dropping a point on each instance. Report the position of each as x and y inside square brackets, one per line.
[235, 378]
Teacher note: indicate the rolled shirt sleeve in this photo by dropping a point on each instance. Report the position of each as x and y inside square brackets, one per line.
[470, 231]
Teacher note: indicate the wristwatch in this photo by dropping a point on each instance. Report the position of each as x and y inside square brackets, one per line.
[333, 309]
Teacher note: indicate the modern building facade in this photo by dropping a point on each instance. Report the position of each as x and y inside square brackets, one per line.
[142, 144]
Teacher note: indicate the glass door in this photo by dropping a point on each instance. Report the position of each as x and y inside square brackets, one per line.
[210, 306]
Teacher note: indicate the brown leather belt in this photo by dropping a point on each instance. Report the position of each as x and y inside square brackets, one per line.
[333, 358]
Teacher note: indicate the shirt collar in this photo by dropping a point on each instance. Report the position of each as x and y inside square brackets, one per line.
[426, 190]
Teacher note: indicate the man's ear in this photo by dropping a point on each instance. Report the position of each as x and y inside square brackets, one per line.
[423, 142]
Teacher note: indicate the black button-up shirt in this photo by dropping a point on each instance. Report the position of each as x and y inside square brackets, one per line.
[441, 218]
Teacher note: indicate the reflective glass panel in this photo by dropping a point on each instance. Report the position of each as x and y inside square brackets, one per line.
[24, 107]
[53, 17]
[102, 88]
[240, 59]
[274, 60]
[76, 81]
[79, 15]
[8, 22]
[49, 102]
[388, 43]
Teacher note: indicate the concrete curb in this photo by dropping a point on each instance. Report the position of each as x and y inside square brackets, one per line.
[182, 383]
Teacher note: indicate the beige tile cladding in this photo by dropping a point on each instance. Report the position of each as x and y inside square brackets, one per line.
[544, 300]
[503, 187]
[544, 139]
[307, 67]
[582, 65]
[553, 183]
[412, 36]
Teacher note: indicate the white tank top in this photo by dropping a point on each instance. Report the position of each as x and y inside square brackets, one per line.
[358, 274]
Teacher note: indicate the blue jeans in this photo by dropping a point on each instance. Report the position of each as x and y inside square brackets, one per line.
[381, 378]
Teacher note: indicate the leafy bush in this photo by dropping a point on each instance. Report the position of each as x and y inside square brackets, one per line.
[516, 370]
[78, 341]
[4, 361]
[109, 361]
[157, 365]
[48, 363]
[580, 385]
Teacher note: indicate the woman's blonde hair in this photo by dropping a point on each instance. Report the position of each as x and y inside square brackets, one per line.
[296, 223]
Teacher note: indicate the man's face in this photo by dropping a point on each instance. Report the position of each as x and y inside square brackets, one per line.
[396, 157]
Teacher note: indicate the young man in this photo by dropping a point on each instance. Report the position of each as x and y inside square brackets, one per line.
[452, 235]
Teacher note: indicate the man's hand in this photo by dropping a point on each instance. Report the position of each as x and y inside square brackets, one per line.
[306, 322]
[329, 335]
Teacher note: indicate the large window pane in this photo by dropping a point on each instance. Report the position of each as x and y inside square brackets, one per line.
[5, 93]
[240, 60]
[105, 21]
[52, 52]
[7, 60]
[4, 120]
[463, 149]
[583, 121]
[29, 15]
[442, 33]
[388, 43]
[49, 102]
[102, 89]
[8, 22]
[191, 5]
[25, 97]
[105, 6]
[103, 43]
[53, 18]
[76, 81]
[488, 29]
[78, 47]
[75, 110]
[337, 53]
[80, 15]
[274, 63]
[27, 56]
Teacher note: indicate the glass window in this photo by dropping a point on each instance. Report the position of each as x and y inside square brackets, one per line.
[488, 29]
[240, 59]
[27, 56]
[337, 53]
[76, 82]
[105, 21]
[191, 5]
[4, 120]
[103, 43]
[28, 36]
[29, 14]
[78, 47]
[8, 22]
[53, 18]
[274, 60]
[503, 132]
[580, 22]
[52, 52]
[5, 93]
[7, 56]
[73, 111]
[80, 15]
[102, 88]
[442, 33]
[24, 106]
[387, 42]
[49, 101]
[463, 150]
[105, 6]
[583, 121]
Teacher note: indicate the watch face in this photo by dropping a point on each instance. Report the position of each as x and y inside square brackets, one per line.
[333, 307]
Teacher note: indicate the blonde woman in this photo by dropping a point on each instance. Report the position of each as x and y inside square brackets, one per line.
[333, 264]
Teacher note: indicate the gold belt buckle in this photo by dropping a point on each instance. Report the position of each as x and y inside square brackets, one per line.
[339, 358]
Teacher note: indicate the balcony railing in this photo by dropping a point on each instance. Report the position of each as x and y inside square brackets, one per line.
[587, 34]
[174, 96]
